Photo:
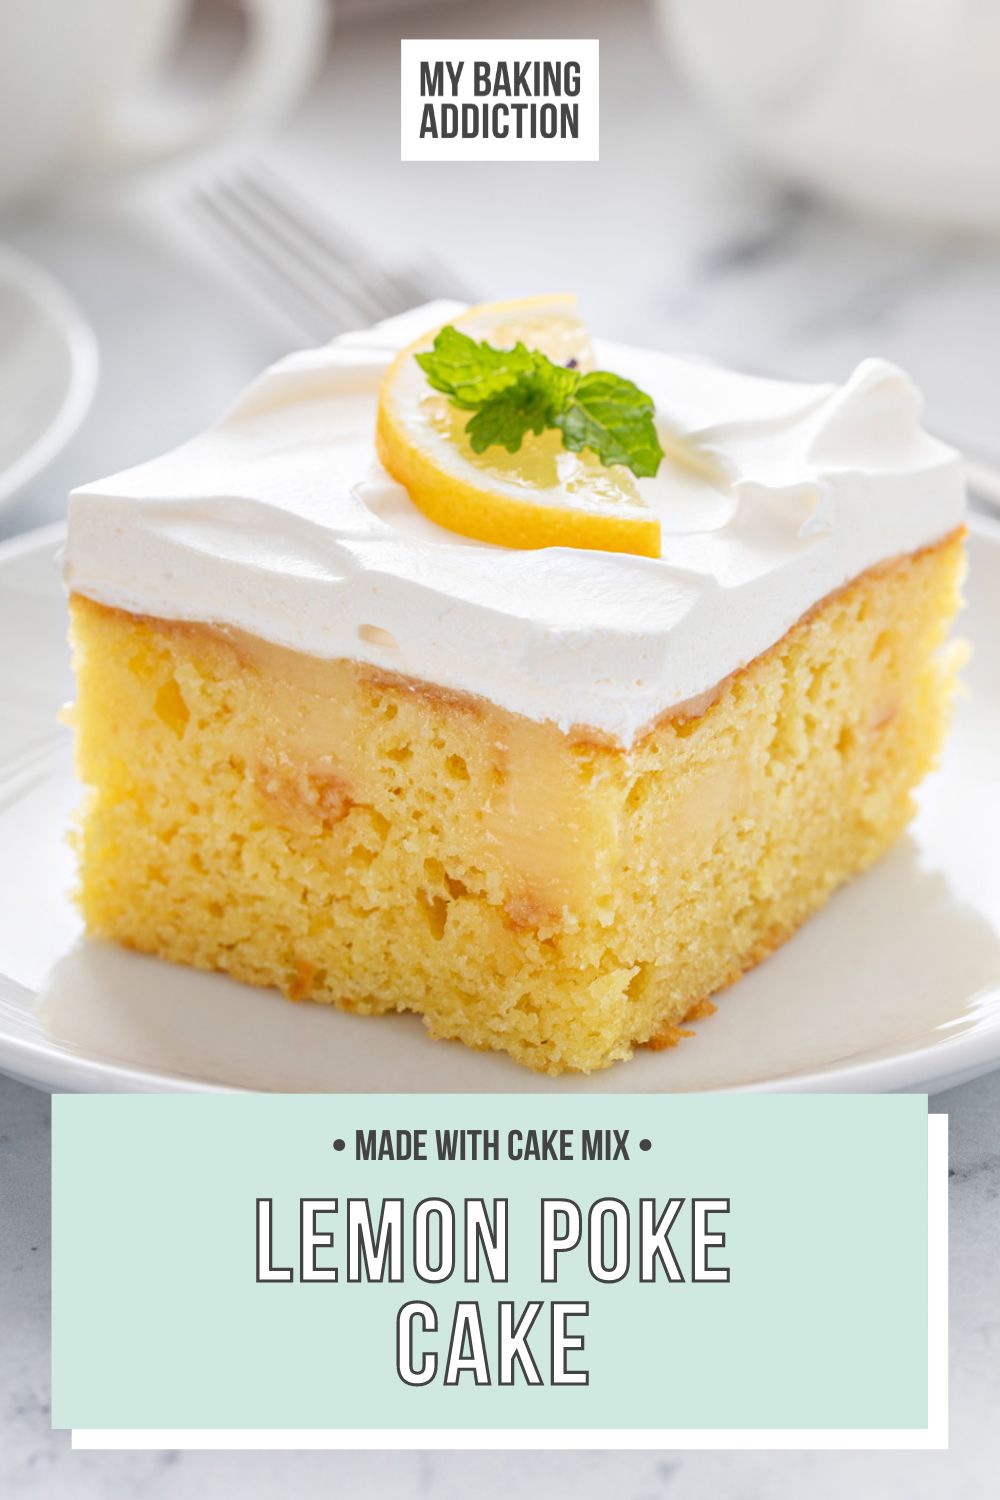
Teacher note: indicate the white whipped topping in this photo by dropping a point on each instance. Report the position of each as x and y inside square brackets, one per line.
[280, 521]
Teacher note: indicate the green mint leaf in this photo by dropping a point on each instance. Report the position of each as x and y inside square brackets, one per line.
[531, 403]
[614, 418]
[557, 382]
[506, 419]
[516, 391]
[469, 373]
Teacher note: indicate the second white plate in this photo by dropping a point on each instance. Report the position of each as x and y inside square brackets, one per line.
[894, 985]
[48, 370]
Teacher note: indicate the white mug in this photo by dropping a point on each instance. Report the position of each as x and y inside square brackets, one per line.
[77, 82]
[890, 105]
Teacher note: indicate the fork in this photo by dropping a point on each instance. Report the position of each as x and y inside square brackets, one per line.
[318, 276]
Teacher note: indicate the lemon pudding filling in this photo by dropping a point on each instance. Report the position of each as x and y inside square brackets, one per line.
[550, 797]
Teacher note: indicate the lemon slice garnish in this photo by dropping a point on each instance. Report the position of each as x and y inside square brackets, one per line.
[540, 496]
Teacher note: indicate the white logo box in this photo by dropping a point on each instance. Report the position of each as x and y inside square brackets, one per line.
[500, 100]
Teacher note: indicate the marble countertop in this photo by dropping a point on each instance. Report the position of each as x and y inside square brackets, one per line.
[671, 239]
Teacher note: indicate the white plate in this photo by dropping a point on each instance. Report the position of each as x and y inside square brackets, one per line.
[48, 370]
[894, 985]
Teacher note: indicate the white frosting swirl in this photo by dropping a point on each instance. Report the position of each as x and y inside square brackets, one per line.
[280, 521]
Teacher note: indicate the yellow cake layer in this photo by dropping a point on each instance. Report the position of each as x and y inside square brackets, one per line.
[381, 844]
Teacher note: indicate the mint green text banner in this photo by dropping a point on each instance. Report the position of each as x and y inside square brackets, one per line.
[159, 1319]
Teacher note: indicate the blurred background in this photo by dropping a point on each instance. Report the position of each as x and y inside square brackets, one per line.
[188, 191]
[787, 185]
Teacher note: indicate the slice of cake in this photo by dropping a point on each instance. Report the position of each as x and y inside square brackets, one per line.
[549, 797]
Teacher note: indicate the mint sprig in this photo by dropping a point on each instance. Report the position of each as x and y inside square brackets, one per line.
[516, 391]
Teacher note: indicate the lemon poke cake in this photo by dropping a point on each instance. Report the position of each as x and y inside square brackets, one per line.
[538, 688]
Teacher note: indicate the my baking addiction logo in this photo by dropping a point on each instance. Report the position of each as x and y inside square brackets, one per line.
[507, 100]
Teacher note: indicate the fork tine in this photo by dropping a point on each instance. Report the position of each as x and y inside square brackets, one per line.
[277, 242]
[336, 264]
[336, 278]
[395, 290]
[321, 278]
[299, 310]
